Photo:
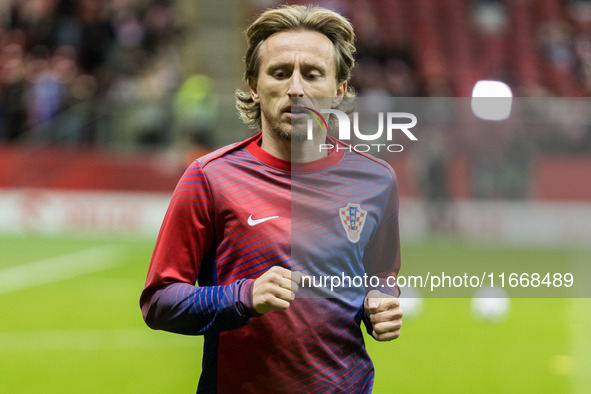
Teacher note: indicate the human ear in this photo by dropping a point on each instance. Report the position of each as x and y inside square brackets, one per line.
[253, 90]
[340, 93]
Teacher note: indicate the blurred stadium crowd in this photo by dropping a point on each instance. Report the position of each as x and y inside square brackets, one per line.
[62, 61]
[66, 66]
[439, 48]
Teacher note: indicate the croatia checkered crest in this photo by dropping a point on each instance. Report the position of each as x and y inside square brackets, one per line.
[353, 220]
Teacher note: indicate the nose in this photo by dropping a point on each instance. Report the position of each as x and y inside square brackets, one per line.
[295, 86]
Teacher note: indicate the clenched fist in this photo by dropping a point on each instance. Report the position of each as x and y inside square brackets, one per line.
[384, 312]
[275, 289]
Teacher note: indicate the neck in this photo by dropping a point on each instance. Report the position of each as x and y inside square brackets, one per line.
[294, 151]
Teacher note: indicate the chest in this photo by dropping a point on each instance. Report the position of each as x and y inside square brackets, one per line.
[295, 222]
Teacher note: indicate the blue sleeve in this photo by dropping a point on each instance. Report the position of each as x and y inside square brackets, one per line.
[193, 310]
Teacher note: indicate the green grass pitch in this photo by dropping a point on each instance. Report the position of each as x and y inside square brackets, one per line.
[84, 333]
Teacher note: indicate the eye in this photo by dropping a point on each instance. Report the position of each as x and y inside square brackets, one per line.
[279, 74]
[313, 75]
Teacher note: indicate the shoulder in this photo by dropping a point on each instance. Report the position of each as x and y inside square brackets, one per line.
[367, 163]
[221, 154]
[199, 166]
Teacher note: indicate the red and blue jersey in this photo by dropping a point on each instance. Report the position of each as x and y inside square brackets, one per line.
[239, 211]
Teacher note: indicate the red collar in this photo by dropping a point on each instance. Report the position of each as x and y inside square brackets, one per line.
[333, 157]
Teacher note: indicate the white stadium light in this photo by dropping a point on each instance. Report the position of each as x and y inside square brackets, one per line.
[491, 305]
[492, 100]
[411, 302]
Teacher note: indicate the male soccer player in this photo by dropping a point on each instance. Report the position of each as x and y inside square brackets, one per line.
[245, 222]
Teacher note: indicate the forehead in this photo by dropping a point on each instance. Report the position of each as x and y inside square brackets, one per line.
[310, 46]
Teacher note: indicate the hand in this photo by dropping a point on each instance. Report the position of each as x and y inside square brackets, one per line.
[275, 289]
[385, 315]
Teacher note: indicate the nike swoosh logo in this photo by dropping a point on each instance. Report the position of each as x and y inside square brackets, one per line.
[254, 222]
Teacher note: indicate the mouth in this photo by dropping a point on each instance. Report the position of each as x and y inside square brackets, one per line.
[294, 111]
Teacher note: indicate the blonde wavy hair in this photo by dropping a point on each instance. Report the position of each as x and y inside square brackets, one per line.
[293, 18]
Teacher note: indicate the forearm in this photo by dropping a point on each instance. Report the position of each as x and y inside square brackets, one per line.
[186, 309]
